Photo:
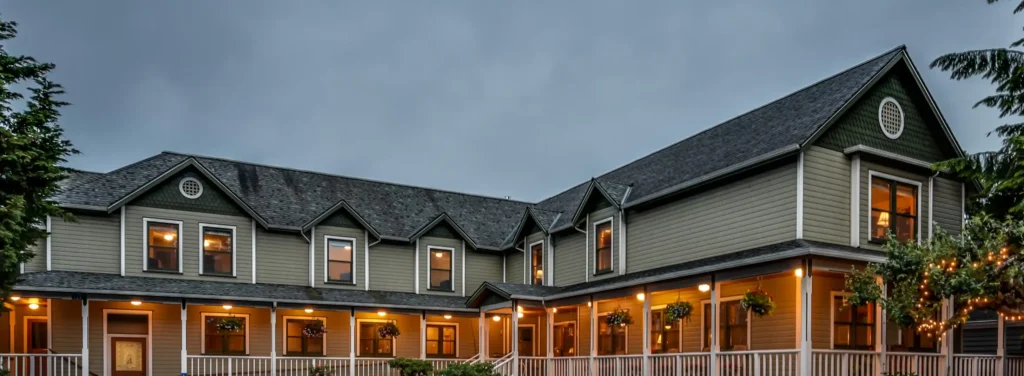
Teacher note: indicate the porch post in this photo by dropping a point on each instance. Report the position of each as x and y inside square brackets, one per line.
[352, 341]
[423, 334]
[647, 331]
[593, 335]
[713, 358]
[85, 337]
[273, 339]
[1001, 346]
[881, 331]
[948, 341]
[515, 338]
[184, 338]
[806, 363]
[550, 345]
[483, 335]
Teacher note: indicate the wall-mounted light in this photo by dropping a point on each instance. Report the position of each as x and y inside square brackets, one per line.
[589, 304]
[15, 298]
[520, 314]
[33, 306]
[382, 313]
[555, 310]
[227, 307]
[136, 302]
[309, 310]
[704, 287]
[447, 317]
[496, 318]
[799, 272]
[641, 296]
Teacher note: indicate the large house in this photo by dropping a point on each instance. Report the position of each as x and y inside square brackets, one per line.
[205, 266]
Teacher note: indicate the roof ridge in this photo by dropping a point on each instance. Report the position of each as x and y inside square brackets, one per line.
[347, 177]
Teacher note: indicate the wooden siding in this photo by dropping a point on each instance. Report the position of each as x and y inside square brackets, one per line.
[515, 261]
[91, 244]
[281, 258]
[38, 262]
[595, 217]
[826, 196]
[865, 203]
[337, 324]
[821, 308]
[947, 205]
[386, 270]
[752, 212]
[481, 267]
[320, 271]
[569, 265]
[426, 256]
[190, 242]
[67, 326]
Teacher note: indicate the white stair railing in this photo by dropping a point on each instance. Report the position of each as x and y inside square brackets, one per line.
[503, 365]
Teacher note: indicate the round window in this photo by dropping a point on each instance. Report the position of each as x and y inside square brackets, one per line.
[190, 188]
[890, 117]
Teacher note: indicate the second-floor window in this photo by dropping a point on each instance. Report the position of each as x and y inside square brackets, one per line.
[163, 246]
[603, 247]
[339, 261]
[441, 341]
[893, 208]
[218, 249]
[537, 263]
[853, 327]
[440, 269]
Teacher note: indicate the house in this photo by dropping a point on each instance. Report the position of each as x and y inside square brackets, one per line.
[205, 266]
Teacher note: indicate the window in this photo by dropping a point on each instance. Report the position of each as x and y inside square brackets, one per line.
[893, 208]
[537, 263]
[603, 247]
[441, 269]
[611, 339]
[441, 341]
[732, 326]
[218, 249]
[370, 343]
[163, 243]
[914, 341]
[565, 339]
[665, 336]
[217, 341]
[853, 327]
[299, 344]
[339, 260]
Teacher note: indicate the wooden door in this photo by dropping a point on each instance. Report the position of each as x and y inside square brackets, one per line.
[37, 341]
[526, 341]
[128, 356]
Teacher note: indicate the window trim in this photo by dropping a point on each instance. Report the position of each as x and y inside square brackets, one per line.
[440, 335]
[598, 335]
[145, 244]
[202, 329]
[284, 332]
[575, 336]
[327, 259]
[234, 251]
[359, 339]
[532, 274]
[917, 219]
[611, 246]
[703, 333]
[451, 270]
[662, 308]
[832, 323]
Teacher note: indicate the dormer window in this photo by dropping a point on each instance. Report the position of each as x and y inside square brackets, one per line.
[441, 265]
[163, 246]
[893, 208]
[537, 263]
[603, 247]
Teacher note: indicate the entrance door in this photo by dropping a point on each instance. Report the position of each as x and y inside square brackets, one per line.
[128, 356]
[525, 341]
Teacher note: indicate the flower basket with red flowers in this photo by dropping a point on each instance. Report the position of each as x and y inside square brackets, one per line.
[389, 330]
[314, 329]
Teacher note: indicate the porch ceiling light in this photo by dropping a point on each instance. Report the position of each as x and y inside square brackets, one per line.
[799, 272]
[136, 302]
[704, 287]
[555, 310]
[447, 317]
[15, 298]
[33, 306]
[640, 296]
[382, 313]
[520, 314]
[227, 307]
[309, 310]
[496, 318]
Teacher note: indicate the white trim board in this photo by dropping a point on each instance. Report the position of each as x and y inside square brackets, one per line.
[148, 337]
[145, 241]
[202, 246]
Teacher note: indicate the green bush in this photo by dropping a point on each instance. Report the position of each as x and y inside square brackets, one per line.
[4, 372]
[465, 369]
[412, 367]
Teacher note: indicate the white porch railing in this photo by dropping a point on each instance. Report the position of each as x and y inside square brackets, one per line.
[300, 366]
[572, 366]
[42, 364]
[759, 363]
[685, 364]
[533, 366]
[208, 365]
[845, 363]
[922, 364]
[974, 365]
[373, 367]
[1014, 365]
[619, 365]
[440, 364]
[503, 365]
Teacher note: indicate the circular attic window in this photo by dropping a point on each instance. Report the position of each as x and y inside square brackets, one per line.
[890, 117]
[190, 188]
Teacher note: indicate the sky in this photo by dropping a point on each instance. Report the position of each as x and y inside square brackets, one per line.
[522, 99]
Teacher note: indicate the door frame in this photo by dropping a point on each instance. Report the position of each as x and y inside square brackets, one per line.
[24, 332]
[533, 328]
[148, 336]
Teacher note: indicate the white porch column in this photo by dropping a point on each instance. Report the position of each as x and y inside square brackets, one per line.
[948, 341]
[515, 338]
[715, 291]
[184, 338]
[593, 334]
[273, 339]
[550, 345]
[85, 337]
[423, 334]
[881, 330]
[806, 363]
[352, 342]
[483, 335]
[1001, 347]
[647, 331]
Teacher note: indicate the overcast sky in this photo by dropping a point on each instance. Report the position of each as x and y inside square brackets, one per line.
[498, 98]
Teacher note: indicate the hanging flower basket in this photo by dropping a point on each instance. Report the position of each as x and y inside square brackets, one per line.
[758, 302]
[227, 324]
[678, 311]
[314, 329]
[620, 317]
[389, 330]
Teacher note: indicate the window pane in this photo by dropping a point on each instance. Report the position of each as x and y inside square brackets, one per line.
[866, 314]
[440, 259]
[604, 258]
[315, 346]
[449, 348]
[842, 314]
[163, 235]
[367, 330]
[440, 279]
[295, 327]
[880, 222]
[865, 334]
[339, 250]
[449, 333]
[365, 346]
[384, 347]
[432, 334]
[906, 199]
[214, 344]
[163, 259]
[906, 228]
[217, 240]
[294, 344]
[881, 196]
[339, 271]
[604, 235]
[431, 348]
[216, 262]
[707, 325]
[842, 335]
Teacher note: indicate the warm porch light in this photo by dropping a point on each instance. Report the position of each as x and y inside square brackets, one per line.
[519, 308]
[799, 272]
[136, 302]
[496, 318]
[520, 314]
[447, 317]
[15, 298]
[33, 306]
[382, 313]
[704, 287]
[589, 304]
[309, 310]
[640, 296]
[555, 310]
[227, 307]
[883, 219]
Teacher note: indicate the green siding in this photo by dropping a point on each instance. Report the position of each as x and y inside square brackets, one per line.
[947, 205]
[90, 244]
[38, 262]
[320, 271]
[425, 257]
[281, 258]
[167, 196]
[515, 261]
[569, 262]
[481, 267]
[826, 196]
[391, 267]
[756, 211]
[442, 230]
[859, 126]
[341, 218]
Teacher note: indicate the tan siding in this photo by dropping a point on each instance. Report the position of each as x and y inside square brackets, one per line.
[821, 308]
[826, 196]
[391, 267]
[537, 321]
[322, 232]
[338, 331]
[258, 323]
[165, 335]
[948, 205]
[569, 258]
[481, 267]
[515, 261]
[777, 331]
[91, 244]
[426, 256]
[584, 331]
[67, 326]
[38, 262]
[281, 258]
[755, 211]
[865, 201]
[598, 216]
[190, 242]
[495, 335]
[406, 344]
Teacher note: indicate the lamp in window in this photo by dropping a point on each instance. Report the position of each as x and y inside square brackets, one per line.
[539, 273]
[883, 219]
[169, 237]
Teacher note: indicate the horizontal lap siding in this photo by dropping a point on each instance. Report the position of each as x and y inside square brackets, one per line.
[337, 324]
[90, 244]
[391, 267]
[752, 212]
[514, 264]
[826, 196]
[821, 309]
[38, 262]
[778, 330]
[135, 247]
[865, 202]
[425, 257]
[495, 336]
[948, 205]
[570, 264]
[281, 258]
[67, 326]
[322, 232]
[481, 267]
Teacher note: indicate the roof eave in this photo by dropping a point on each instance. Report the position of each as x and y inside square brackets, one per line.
[342, 204]
[447, 219]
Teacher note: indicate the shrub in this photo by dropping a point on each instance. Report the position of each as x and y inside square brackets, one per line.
[466, 369]
[4, 372]
[412, 367]
[317, 370]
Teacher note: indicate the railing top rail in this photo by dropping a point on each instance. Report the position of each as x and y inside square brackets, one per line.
[238, 357]
[570, 357]
[332, 358]
[746, 352]
[975, 356]
[681, 354]
[934, 355]
[858, 352]
[619, 356]
[6, 355]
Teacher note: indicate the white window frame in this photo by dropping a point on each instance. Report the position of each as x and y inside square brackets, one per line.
[202, 328]
[451, 262]
[327, 259]
[234, 248]
[575, 337]
[703, 333]
[871, 175]
[543, 267]
[284, 331]
[597, 334]
[145, 243]
[681, 329]
[359, 339]
[611, 256]
[832, 322]
[441, 323]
